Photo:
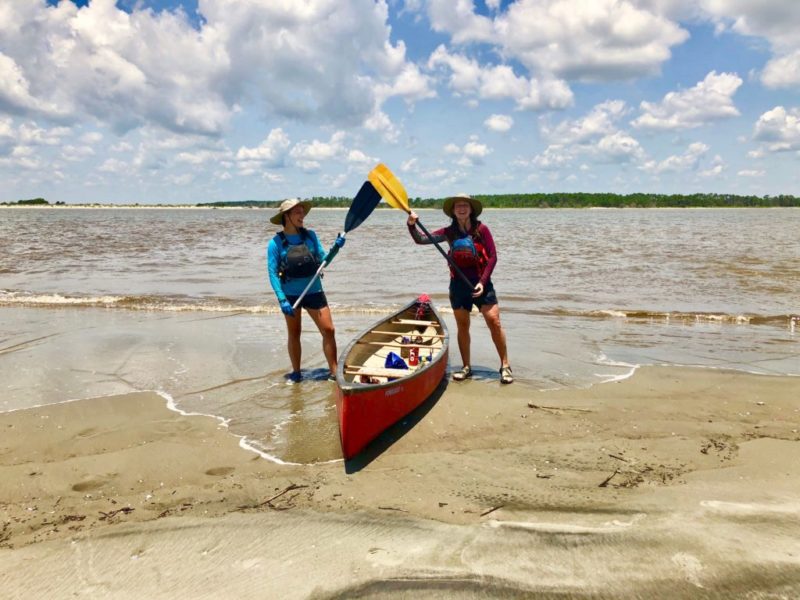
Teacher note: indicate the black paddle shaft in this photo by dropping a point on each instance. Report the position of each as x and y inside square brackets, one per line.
[447, 256]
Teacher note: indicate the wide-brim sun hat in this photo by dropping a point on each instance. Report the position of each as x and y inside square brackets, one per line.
[477, 207]
[288, 205]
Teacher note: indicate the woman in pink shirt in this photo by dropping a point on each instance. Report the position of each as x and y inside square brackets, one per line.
[472, 249]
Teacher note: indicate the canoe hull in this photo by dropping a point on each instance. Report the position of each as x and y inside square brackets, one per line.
[365, 411]
[364, 415]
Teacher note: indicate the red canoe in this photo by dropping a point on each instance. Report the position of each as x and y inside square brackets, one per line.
[371, 397]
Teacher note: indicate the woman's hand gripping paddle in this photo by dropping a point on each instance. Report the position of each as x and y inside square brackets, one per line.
[395, 195]
[363, 204]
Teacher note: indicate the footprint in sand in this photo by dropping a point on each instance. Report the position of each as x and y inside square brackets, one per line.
[690, 566]
[92, 483]
[220, 471]
[173, 426]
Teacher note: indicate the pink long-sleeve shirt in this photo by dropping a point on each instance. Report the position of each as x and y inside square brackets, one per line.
[440, 235]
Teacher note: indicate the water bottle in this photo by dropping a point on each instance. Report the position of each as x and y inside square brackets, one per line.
[413, 356]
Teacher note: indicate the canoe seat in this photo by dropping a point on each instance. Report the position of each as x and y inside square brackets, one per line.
[424, 342]
[404, 333]
[376, 371]
[414, 322]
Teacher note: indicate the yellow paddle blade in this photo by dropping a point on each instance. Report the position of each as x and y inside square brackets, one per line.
[389, 187]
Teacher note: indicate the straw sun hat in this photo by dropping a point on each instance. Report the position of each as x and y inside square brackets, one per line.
[288, 205]
[477, 207]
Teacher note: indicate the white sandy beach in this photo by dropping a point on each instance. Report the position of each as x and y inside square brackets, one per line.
[694, 472]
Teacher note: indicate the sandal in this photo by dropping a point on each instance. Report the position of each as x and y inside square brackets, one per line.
[463, 374]
[505, 375]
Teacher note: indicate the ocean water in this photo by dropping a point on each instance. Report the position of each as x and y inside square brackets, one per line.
[106, 301]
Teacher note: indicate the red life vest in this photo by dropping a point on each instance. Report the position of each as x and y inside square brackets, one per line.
[467, 251]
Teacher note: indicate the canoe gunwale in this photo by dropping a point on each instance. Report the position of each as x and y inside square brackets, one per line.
[350, 388]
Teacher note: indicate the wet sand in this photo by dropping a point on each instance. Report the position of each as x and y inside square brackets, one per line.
[676, 482]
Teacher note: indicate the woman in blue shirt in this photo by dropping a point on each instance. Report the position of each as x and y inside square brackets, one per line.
[293, 257]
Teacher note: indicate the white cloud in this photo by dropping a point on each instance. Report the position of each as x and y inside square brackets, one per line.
[618, 147]
[122, 147]
[200, 157]
[31, 133]
[313, 61]
[468, 77]
[499, 123]
[92, 137]
[777, 21]
[589, 40]
[553, 158]
[112, 165]
[779, 129]
[751, 173]
[359, 158]
[600, 121]
[470, 154]
[408, 165]
[316, 151]
[595, 135]
[380, 122]
[715, 169]
[678, 163]
[475, 150]
[709, 100]
[15, 95]
[76, 153]
[271, 151]
[783, 71]
[458, 18]
[410, 84]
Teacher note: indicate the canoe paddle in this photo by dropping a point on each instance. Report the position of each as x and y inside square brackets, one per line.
[395, 195]
[363, 204]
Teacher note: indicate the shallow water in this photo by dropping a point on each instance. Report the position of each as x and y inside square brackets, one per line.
[96, 302]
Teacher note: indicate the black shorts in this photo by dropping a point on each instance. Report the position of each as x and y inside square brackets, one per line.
[461, 295]
[313, 301]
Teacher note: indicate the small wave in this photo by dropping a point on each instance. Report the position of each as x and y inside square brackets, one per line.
[790, 320]
[149, 303]
[228, 305]
[166, 304]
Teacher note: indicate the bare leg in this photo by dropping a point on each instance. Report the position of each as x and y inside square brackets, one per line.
[294, 326]
[491, 313]
[322, 318]
[462, 322]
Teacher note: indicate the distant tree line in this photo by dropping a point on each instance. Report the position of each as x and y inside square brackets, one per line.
[555, 200]
[31, 202]
[564, 200]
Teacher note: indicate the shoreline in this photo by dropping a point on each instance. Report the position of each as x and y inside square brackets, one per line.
[687, 463]
[486, 208]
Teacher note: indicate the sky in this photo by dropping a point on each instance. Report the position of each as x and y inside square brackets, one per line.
[184, 101]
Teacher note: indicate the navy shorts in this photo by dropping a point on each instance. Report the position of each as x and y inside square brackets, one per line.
[313, 301]
[461, 295]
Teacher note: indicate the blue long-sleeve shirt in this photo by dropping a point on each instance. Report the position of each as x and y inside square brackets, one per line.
[276, 253]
